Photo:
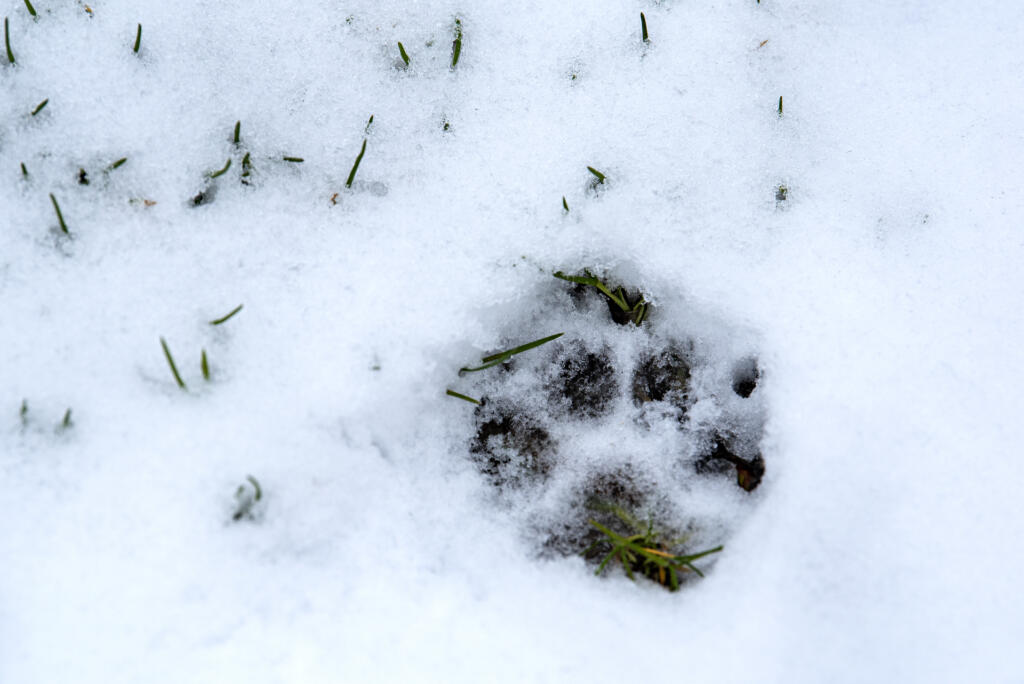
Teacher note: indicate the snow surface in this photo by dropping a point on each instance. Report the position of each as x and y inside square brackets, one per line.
[882, 298]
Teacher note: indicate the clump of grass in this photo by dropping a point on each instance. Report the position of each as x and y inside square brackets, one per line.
[643, 28]
[781, 193]
[635, 312]
[355, 166]
[30, 8]
[170, 362]
[7, 42]
[644, 552]
[227, 317]
[403, 53]
[138, 40]
[502, 357]
[453, 393]
[40, 106]
[246, 498]
[457, 43]
[60, 216]
[83, 177]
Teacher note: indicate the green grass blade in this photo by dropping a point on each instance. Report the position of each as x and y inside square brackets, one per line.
[600, 176]
[591, 280]
[491, 364]
[7, 42]
[226, 318]
[523, 347]
[40, 106]
[170, 362]
[366, 131]
[217, 174]
[453, 393]
[565, 205]
[355, 167]
[204, 365]
[66, 422]
[780, 106]
[605, 561]
[457, 43]
[238, 133]
[117, 164]
[643, 28]
[24, 171]
[405, 55]
[138, 40]
[501, 357]
[256, 487]
[31, 9]
[696, 556]
[294, 160]
[60, 216]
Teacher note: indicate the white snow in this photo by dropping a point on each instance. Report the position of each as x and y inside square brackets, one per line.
[881, 298]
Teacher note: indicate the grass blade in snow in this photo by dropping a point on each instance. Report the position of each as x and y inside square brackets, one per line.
[636, 313]
[403, 53]
[226, 318]
[7, 42]
[170, 362]
[501, 357]
[138, 40]
[591, 280]
[453, 393]
[355, 167]
[457, 43]
[30, 8]
[643, 28]
[217, 174]
[60, 216]
[40, 106]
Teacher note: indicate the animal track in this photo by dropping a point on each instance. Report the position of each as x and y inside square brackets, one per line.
[616, 422]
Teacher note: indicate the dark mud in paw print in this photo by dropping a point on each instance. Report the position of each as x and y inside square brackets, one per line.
[663, 376]
[585, 384]
[510, 447]
[632, 440]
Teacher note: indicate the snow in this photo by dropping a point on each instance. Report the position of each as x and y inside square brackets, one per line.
[881, 299]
